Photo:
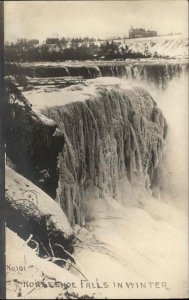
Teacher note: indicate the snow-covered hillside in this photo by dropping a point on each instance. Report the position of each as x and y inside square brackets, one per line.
[172, 46]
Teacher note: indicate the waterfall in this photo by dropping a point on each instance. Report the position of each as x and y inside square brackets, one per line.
[128, 72]
[118, 134]
[173, 182]
[99, 74]
[67, 71]
[157, 74]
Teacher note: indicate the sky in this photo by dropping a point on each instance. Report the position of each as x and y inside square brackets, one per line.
[42, 19]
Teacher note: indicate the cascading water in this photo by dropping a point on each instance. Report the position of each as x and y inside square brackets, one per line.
[117, 134]
[67, 71]
[99, 74]
[128, 72]
[173, 182]
[156, 73]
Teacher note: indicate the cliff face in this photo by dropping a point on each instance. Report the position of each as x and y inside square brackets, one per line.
[117, 134]
[32, 141]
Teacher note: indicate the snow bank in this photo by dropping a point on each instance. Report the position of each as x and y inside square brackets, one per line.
[31, 211]
[32, 277]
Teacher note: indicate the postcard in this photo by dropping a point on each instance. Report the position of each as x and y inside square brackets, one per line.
[95, 125]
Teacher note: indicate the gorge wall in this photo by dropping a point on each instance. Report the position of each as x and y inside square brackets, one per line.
[32, 141]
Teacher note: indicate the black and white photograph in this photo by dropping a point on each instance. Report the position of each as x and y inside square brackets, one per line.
[95, 125]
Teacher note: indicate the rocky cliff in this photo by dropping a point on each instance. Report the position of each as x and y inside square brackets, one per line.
[32, 141]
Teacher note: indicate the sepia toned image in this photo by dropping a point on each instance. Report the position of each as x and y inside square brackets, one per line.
[96, 139]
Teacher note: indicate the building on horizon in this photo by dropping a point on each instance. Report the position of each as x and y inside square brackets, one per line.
[52, 41]
[140, 33]
[33, 42]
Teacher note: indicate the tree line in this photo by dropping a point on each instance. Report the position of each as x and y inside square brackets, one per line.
[78, 49]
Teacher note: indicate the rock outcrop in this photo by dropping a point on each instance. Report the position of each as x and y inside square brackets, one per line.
[32, 141]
